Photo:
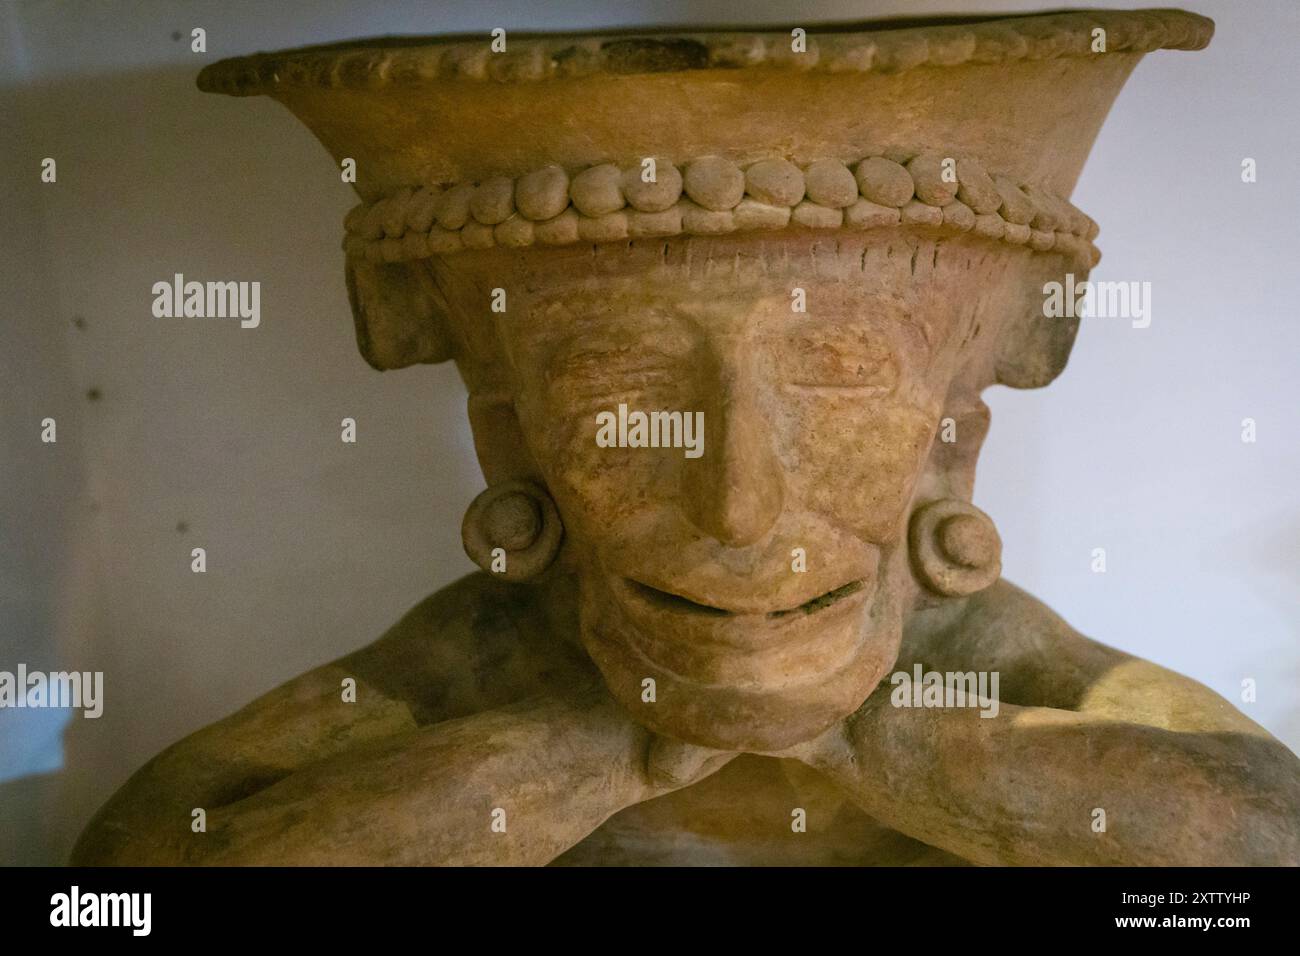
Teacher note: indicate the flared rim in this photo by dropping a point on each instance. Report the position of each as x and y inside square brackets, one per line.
[889, 46]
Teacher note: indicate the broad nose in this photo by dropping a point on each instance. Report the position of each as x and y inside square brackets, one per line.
[734, 491]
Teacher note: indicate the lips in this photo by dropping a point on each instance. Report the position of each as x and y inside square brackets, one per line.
[674, 603]
[740, 644]
[745, 631]
[742, 654]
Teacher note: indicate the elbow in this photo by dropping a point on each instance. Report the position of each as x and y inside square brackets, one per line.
[140, 825]
[108, 841]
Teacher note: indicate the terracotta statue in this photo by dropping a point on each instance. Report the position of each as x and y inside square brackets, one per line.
[725, 305]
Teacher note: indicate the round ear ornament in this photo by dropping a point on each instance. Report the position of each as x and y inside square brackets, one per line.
[512, 529]
[954, 547]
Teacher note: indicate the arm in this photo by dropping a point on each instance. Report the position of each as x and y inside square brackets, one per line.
[546, 771]
[446, 713]
[1182, 777]
[512, 787]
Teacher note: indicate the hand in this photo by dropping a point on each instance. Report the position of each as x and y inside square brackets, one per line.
[516, 786]
[1048, 786]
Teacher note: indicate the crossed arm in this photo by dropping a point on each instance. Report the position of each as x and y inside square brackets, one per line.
[513, 775]
[1095, 757]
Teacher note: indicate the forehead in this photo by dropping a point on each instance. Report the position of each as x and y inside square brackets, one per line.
[681, 313]
[905, 292]
[722, 285]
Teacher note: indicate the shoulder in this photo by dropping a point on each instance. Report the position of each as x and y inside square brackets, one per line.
[474, 645]
[1040, 659]
[1043, 661]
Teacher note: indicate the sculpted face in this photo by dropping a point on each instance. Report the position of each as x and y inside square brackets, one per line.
[758, 578]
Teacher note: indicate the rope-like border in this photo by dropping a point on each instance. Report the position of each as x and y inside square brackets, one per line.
[379, 63]
[713, 196]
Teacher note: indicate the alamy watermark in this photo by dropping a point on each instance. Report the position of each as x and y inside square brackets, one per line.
[81, 690]
[75, 908]
[634, 429]
[923, 688]
[208, 300]
[1101, 300]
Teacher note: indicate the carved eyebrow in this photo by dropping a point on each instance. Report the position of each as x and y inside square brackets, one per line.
[562, 332]
[595, 320]
[545, 335]
[906, 326]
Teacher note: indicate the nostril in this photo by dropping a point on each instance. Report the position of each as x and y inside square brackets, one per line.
[735, 493]
[746, 525]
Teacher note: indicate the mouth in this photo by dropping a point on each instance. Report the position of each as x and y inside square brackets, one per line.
[676, 603]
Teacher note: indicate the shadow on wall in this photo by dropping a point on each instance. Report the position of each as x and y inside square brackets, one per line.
[46, 580]
[200, 434]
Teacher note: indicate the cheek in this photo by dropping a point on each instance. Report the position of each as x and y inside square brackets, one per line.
[857, 463]
[593, 486]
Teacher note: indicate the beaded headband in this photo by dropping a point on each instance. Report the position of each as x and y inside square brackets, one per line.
[713, 196]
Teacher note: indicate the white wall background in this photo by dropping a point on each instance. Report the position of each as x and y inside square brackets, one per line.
[204, 435]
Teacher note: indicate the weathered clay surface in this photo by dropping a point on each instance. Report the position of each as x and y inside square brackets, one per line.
[643, 673]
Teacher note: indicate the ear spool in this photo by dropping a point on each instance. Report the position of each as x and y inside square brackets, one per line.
[954, 547]
[512, 530]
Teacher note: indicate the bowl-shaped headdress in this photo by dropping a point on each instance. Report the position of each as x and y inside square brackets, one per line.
[978, 126]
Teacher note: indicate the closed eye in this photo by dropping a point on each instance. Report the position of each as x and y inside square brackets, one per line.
[616, 372]
[828, 368]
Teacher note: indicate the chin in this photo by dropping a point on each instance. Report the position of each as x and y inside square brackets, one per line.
[753, 680]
